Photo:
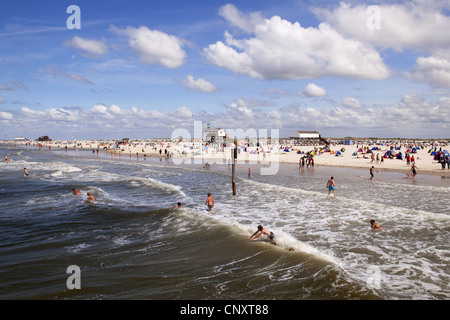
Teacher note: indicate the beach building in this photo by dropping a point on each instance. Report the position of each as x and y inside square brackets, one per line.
[309, 138]
[215, 135]
[306, 135]
[44, 139]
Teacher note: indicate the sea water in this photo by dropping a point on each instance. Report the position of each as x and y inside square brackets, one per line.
[132, 244]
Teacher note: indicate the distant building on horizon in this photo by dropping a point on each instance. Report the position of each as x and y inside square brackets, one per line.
[307, 137]
[44, 139]
[214, 135]
[306, 134]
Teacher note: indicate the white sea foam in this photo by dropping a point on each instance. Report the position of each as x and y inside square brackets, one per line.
[337, 229]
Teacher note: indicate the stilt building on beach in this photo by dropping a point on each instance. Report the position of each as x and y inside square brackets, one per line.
[309, 137]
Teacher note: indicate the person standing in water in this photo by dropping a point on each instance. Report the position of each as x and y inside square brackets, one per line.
[371, 173]
[261, 230]
[331, 186]
[25, 171]
[210, 202]
[414, 170]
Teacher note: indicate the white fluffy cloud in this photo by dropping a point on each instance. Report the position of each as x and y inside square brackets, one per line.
[281, 49]
[411, 25]
[244, 22]
[154, 46]
[6, 115]
[88, 47]
[350, 102]
[200, 85]
[413, 116]
[433, 69]
[313, 90]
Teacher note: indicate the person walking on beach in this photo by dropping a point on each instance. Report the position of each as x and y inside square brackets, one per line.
[443, 161]
[261, 230]
[331, 186]
[209, 202]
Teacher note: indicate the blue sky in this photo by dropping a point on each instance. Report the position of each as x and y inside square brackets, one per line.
[143, 69]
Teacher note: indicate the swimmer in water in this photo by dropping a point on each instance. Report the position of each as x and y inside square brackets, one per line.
[90, 198]
[261, 231]
[25, 171]
[76, 191]
[178, 205]
[374, 225]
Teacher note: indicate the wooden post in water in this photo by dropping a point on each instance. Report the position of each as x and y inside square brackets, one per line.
[233, 168]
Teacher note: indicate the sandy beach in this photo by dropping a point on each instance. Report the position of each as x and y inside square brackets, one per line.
[358, 155]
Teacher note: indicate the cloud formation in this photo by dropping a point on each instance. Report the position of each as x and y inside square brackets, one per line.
[401, 119]
[281, 49]
[417, 25]
[56, 72]
[89, 48]
[155, 47]
[411, 25]
[236, 18]
[350, 102]
[313, 90]
[433, 69]
[199, 85]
